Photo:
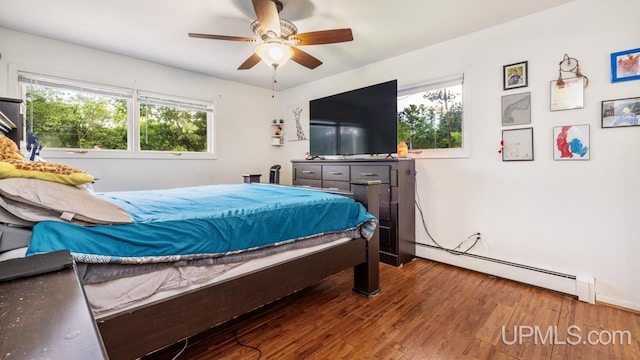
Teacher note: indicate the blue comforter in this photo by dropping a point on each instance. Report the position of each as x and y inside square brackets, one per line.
[204, 221]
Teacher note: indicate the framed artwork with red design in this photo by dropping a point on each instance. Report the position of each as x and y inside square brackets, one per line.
[571, 142]
[625, 65]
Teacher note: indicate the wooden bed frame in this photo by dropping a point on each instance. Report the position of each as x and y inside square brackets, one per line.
[136, 332]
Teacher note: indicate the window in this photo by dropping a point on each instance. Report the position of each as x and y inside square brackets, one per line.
[72, 115]
[173, 124]
[430, 118]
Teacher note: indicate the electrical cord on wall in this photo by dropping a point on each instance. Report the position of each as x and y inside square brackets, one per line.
[453, 251]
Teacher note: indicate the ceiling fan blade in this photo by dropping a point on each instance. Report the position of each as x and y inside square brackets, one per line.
[305, 59]
[250, 62]
[323, 37]
[267, 14]
[222, 37]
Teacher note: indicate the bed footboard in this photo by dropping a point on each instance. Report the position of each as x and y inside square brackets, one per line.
[366, 279]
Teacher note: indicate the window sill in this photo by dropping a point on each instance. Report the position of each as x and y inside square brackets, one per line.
[121, 154]
[439, 154]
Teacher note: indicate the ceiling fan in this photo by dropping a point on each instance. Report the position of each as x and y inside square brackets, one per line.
[280, 38]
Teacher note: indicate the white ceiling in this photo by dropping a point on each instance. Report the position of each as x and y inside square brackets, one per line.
[156, 30]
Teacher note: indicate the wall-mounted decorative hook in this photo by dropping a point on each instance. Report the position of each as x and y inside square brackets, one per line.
[569, 64]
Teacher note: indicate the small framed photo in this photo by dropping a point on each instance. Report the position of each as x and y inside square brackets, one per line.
[517, 144]
[621, 112]
[569, 95]
[516, 109]
[515, 75]
[625, 65]
[571, 142]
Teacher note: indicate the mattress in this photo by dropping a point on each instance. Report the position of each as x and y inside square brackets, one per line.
[123, 294]
[203, 222]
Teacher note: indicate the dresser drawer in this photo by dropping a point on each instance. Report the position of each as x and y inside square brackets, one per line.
[308, 182]
[336, 185]
[370, 172]
[313, 172]
[337, 173]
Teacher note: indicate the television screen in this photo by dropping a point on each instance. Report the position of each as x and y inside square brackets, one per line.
[356, 122]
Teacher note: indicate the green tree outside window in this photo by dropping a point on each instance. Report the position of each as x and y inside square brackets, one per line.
[431, 119]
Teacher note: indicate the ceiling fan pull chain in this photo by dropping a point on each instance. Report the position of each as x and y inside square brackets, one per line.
[273, 84]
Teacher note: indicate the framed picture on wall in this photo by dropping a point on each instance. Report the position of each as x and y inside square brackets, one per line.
[515, 75]
[516, 109]
[569, 95]
[620, 112]
[625, 65]
[517, 144]
[571, 142]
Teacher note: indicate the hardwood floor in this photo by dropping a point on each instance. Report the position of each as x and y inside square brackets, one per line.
[426, 310]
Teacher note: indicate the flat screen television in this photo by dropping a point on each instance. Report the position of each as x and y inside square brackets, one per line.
[358, 122]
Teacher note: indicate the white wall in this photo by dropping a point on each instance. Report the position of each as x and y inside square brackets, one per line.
[243, 141]
[572, 216]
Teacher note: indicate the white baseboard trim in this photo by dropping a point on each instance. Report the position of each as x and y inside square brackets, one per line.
[548, 280]
[581, 285]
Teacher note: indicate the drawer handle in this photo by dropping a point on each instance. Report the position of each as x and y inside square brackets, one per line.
[307, 172]
[367, 174]
[335, 173]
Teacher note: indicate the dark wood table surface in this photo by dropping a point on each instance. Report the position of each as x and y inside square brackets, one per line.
[43, 311]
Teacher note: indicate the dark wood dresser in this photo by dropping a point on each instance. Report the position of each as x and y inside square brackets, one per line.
[43, 310]
[10, 108]
[397, 196]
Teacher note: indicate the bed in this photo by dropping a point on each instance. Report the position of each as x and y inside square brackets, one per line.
[142, 327]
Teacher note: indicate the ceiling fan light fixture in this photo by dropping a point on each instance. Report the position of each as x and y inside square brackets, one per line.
[274, 54]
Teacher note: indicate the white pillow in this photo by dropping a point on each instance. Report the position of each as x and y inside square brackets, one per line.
[9, 216]
[26, 215]
[66, 202]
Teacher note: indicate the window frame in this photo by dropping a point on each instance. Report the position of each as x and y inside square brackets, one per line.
[133, 123]
[179, 102]
[439, 82]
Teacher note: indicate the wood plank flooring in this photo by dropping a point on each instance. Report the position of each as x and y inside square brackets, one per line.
[426, 310]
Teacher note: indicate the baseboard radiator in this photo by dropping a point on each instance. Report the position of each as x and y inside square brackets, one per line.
[581, 286]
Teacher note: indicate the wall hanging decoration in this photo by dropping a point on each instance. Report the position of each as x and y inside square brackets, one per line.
[515, 75]
[299, 131]
[621, 112]
[569, 95]
[570, 65]
[516, 109]
[517, 144]
[625, 65]
[299, 119]
[571, 142]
